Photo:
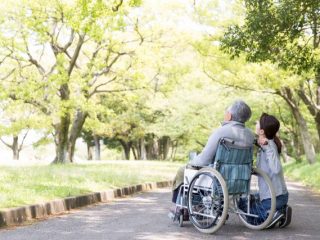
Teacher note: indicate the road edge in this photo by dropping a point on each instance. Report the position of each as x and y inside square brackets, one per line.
[18, 215]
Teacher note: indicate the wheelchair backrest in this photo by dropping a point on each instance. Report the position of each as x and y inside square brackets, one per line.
[234, 161]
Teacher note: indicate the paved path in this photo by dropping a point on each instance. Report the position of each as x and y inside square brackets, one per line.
[144, 216]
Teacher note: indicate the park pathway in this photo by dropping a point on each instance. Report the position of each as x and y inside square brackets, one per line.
[144, 216]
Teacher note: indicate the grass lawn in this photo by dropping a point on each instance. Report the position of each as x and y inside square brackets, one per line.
[34, 184]
[304, 172]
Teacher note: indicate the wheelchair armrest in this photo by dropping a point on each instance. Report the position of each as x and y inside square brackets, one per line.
[195, 167]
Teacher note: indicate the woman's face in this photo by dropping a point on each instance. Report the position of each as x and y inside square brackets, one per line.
[258, 127]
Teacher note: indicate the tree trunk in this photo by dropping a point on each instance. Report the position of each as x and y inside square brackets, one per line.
[308, 147]
[166, 147]
[284, 152]
[152, 149]
[62, 129]
[296, 145]
[15, 148]
[97, 147]
[126, 149]
[155, 150]
[174, 150]
[135, 155]
[75, 132]
[311, 105]
[149, 149]
[143, 153]
[127, 152]
[62, 139]
[89, 150]
[317, 77]
[317, 121]
[305, 137]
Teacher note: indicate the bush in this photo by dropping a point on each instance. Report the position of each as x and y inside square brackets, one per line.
[304, 172]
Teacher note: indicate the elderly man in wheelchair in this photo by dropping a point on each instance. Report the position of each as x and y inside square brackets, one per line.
[205, 191]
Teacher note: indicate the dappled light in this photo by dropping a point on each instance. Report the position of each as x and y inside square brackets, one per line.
[144, 217]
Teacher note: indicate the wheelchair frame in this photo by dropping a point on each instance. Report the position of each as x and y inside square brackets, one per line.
[217, 205]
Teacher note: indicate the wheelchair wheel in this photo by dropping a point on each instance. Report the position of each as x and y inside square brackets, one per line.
[254, 220]
[208, 200]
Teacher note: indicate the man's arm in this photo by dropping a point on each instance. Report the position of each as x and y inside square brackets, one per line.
[206, 156]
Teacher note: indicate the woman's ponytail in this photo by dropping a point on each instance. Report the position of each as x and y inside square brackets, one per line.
[278, 143]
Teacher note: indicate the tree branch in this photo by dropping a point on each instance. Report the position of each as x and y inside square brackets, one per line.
[8, 145]
[100, 85]
[136, 28]
[286, 94]
[237, 86]
[200, 143]
[35, 62]
[75, 54]
[119, 90]
[107, 69]
[116, 8]
[5, 57]
[8, 74]
[307, 101]
[33, 102]
[91, 60]
[310, 92]
[281, 116]
[68, 44]
[24, 137]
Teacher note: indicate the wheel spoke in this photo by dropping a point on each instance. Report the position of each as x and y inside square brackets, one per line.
[206, 201]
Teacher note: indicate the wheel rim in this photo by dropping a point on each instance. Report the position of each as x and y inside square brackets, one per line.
[254, 221]
[205, 203]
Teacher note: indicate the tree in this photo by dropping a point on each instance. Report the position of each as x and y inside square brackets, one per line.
[68, 52]
[256, 77]
[286, 33]
[18, 119]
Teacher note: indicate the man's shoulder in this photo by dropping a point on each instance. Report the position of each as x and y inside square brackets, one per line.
[235, 128]
[249, 131]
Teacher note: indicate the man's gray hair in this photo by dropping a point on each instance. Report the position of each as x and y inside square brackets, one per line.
[239, 111]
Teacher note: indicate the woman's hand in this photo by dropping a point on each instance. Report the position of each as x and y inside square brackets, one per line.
[262, 140]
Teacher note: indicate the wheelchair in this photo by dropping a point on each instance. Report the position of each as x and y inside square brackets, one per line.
[230, 185]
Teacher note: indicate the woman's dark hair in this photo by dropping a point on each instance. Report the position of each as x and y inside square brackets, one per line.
[270, 126]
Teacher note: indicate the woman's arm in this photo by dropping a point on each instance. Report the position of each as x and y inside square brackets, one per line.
[272, 157]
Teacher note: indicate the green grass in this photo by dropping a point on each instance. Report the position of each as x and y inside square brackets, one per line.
[35, 184]
[304, 172]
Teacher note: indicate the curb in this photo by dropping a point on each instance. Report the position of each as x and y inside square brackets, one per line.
[38, 211]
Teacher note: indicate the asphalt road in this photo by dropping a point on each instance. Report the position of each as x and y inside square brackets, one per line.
[144, 216]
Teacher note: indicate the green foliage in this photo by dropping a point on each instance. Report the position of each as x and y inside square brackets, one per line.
[147, 69]
[304, 172]
[280, 31]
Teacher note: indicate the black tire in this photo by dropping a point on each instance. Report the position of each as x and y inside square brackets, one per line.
[181, 220]
[208, 203]
[256, 223]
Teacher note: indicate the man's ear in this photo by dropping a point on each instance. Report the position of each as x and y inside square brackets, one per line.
[261, 132]
[228, 116]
